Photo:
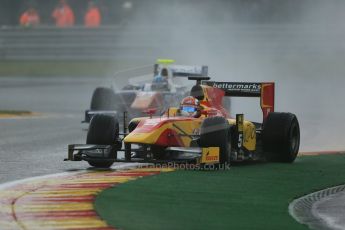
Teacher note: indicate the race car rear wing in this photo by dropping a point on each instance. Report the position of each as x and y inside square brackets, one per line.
[184, 70]
[264, 90]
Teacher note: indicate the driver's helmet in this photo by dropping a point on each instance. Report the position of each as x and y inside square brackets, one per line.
[190, 107]
[158, 79]
[161, 77]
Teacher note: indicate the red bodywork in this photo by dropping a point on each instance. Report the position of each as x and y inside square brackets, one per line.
[147, 100]
[214, 102]
[267, 98]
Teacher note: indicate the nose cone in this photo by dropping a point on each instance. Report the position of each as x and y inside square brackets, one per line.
[156, 131]
[148, 131]
[141, 138]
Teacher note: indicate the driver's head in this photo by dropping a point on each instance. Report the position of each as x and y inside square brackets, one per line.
[164, 72]
[190, 107]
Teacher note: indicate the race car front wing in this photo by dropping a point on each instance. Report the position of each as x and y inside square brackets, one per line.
[78, 152]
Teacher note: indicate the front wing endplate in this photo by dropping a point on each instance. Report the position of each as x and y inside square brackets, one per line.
[210, 155]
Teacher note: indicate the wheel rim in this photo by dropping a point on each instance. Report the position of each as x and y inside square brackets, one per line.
[294, 143]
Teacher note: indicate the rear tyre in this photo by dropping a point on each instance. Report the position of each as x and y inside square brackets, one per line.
[214, 132]
[123, 101]
[281, 137]
[103, 130]
[103, 99]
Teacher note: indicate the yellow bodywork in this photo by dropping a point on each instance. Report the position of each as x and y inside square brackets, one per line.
[210, 155]
[152, 129]
[159, 125]
[249, 134]
[165, 61]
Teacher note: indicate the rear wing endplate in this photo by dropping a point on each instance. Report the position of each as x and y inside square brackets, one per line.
[264, 90]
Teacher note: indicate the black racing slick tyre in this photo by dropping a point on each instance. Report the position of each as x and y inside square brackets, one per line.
[158, 152]
[101, 164]
[214, 132]
[133, 125]
[103, 130]
[281, 137]
[103, 99]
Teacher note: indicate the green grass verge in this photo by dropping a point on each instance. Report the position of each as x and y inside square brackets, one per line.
[245, 197]
[64, 68]
[14, 112]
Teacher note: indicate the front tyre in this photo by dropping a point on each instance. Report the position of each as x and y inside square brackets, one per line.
[214, 132]
[103, 99]
[103, 130]
[281, 137]
[101, 164]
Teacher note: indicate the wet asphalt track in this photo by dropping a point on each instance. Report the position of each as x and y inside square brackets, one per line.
[331, 210]
[323, 209]
[36, 146]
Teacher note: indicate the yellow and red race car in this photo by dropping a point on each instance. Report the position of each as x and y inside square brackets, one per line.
[200, 131]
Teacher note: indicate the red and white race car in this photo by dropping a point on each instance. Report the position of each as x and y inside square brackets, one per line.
[161, 89]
